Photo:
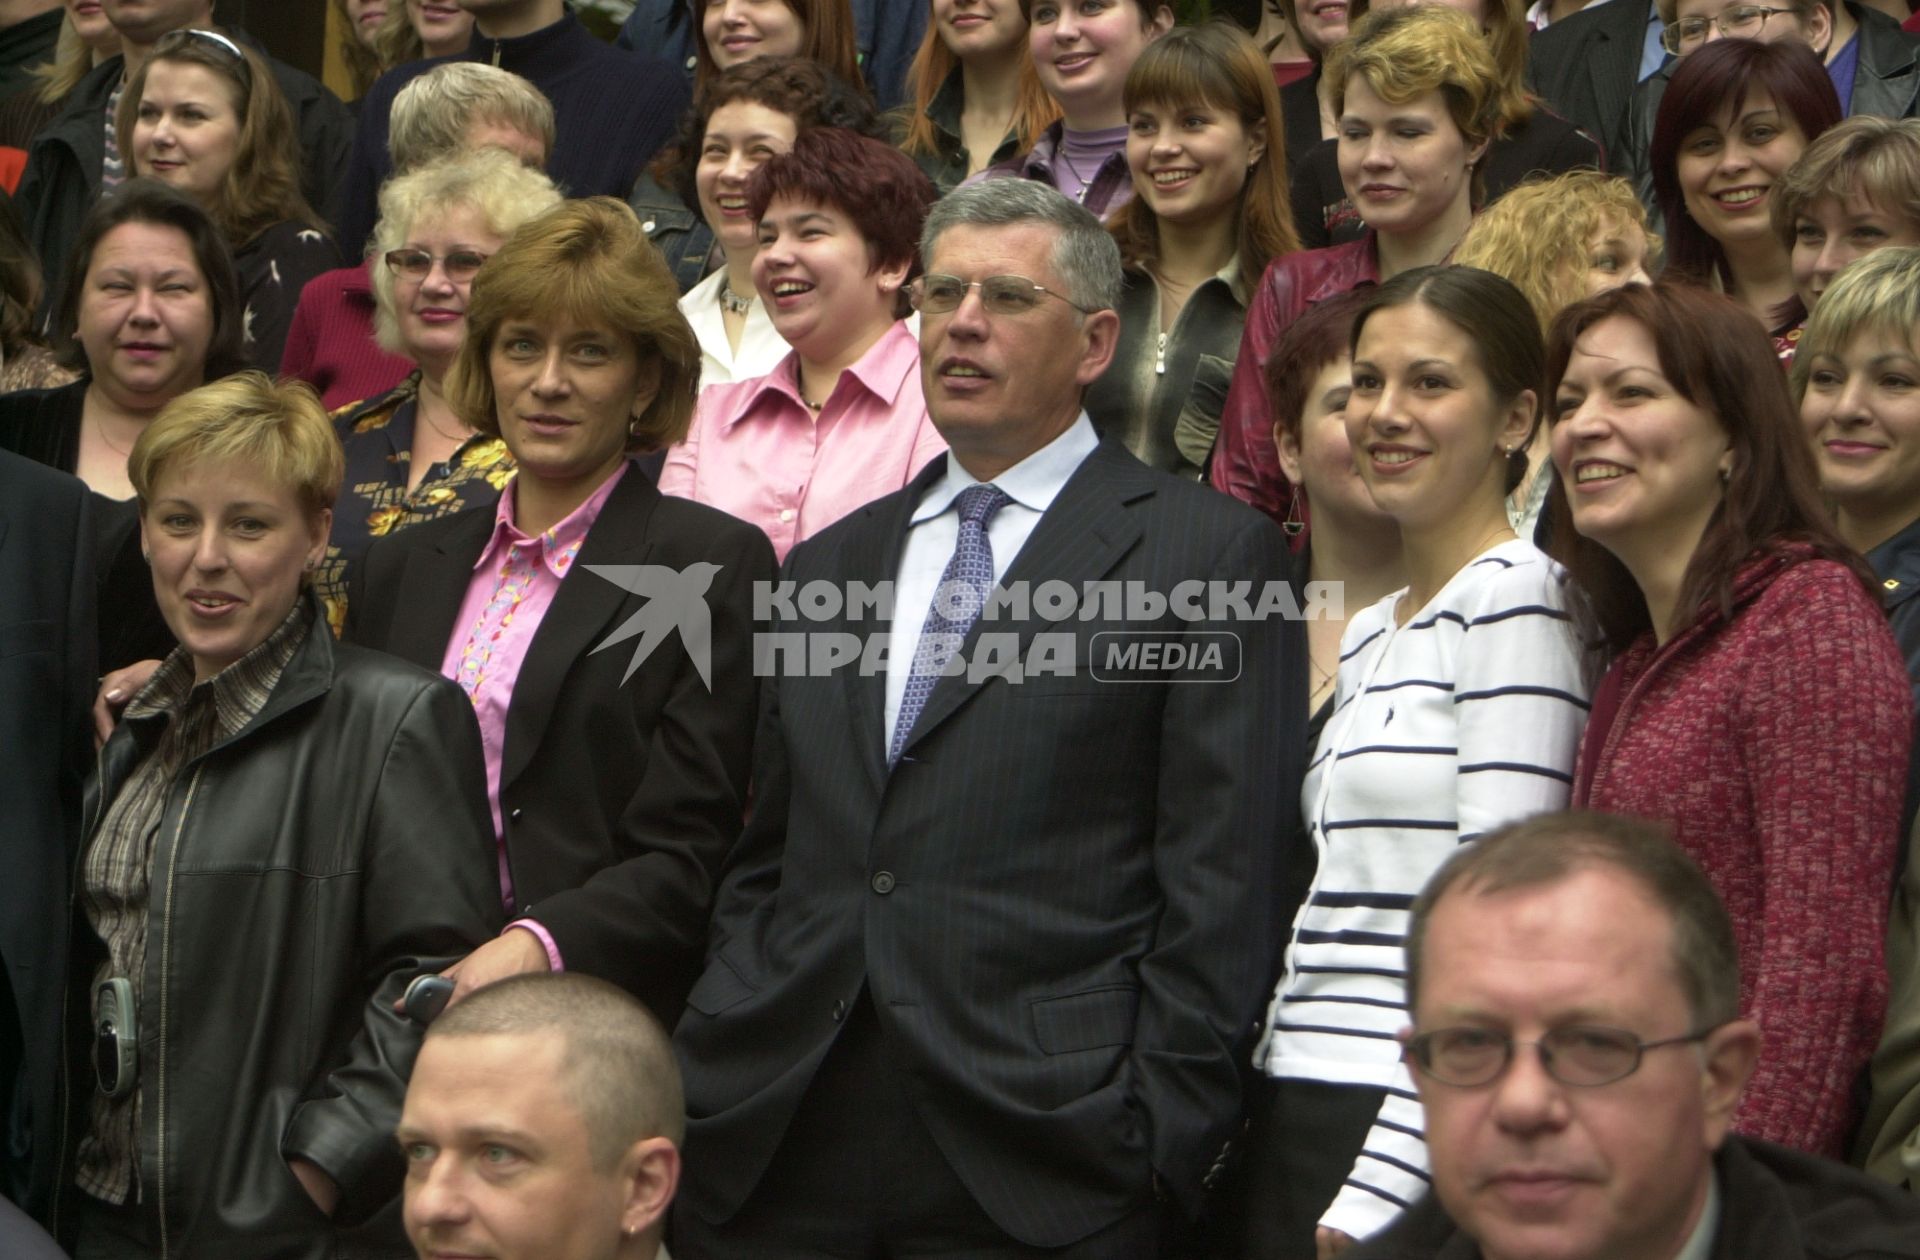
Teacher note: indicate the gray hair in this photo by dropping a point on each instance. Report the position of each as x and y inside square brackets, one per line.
[432, 115]
[1084, 254]
[490, 181]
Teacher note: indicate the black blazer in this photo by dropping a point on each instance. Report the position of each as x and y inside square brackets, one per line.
[636, 786]
[46, 686]
[1585, 67]
[1060, 899]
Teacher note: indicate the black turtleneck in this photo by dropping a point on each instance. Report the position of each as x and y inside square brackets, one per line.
[612, 110]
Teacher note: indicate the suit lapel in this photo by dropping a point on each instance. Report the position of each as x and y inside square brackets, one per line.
[580, 612]
[873, 554]
[432, 588]
[1079, 539]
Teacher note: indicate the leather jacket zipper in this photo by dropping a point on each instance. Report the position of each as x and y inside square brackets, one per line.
[1160, 357]
[166, 968]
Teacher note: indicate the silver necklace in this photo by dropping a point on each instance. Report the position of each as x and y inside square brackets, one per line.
[738, 305]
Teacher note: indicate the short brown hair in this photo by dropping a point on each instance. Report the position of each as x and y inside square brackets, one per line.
[277, 426]
[1877, 158]
[882, 191]
[588, 260]
[1550, 848]
[616, 1057]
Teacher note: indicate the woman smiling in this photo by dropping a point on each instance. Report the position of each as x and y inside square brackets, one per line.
[1748, 647]
[842, 420]
[1737, 115]
[1209, 210]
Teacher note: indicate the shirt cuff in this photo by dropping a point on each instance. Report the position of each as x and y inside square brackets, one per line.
[543, 936]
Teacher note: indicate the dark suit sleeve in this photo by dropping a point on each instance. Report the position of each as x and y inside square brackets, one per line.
[1231, 764]
[430, 895]
[643, 922]
[326, 142]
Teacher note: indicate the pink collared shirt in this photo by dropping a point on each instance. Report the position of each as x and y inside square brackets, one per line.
[513, 585]
[758, 452]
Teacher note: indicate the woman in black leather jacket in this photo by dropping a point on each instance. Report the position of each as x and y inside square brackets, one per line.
[282, 833]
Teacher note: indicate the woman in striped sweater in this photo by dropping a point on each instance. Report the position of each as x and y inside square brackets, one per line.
[1458, 708]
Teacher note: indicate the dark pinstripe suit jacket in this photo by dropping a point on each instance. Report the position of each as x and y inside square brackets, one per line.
[1060, 898]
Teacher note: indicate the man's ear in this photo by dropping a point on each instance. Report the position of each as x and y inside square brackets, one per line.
[650, 1171]
[1102, 332]
[1727, 1057]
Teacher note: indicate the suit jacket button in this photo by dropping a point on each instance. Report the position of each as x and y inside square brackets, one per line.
[883, 882]
[839, 1011]
[513, 815]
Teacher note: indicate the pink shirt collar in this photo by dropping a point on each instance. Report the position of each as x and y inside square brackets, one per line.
[881, 371]
[558, 545]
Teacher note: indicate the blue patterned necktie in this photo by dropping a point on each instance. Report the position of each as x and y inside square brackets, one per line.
[957, 602]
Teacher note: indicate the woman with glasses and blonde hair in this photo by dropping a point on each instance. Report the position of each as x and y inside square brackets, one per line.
[206, 116]
[410, 456]
[627, 768]
[1209, 211]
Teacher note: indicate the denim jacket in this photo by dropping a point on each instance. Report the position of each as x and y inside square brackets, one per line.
[681, 235]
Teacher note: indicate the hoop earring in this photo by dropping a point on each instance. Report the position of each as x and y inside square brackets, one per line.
[1294, 525]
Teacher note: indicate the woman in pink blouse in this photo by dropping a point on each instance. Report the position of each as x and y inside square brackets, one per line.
[841, 421]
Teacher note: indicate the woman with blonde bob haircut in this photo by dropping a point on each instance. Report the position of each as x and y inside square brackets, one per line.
[410, 457]
[328, 798]
[1431, 62]
[617, 779]
[207, 117]
[1205, 145]
[1559, 239]
[1855, 189]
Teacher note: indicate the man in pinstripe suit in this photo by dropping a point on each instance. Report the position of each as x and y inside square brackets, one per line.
[986, 962]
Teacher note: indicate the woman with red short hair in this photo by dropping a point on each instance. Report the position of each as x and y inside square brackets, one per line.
[842, 420]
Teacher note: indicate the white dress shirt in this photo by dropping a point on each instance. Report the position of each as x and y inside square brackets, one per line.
[934, 531]
[761, 348]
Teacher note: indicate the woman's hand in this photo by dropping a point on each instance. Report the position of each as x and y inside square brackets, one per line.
[1328, 1243]
[319, 1186]
[115, 690]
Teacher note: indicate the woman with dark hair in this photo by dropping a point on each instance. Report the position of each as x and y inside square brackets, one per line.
[1083, 51]
[1419, 99]
[625, 770]
[841, 420]
[733, 32]
[1209, 211]
[974, 97]
[1737, 115]
[693, 204]
[1532, 139]
[1756, 702]
[149, 311]
[206, 116]
[1457, 708]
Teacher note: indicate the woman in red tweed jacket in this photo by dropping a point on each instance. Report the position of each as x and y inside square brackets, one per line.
[1756, 702]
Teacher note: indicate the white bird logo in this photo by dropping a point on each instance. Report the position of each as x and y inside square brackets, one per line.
[675, 598]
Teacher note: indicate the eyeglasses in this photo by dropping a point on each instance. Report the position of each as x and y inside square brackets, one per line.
[1579, 1054]
[417, 264]
[1001, 295]
[1742, 21]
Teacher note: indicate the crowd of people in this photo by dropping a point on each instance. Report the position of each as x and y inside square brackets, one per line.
[957, 628]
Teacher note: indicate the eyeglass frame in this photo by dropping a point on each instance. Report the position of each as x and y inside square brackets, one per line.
[393, 266]
[1717, 21]
[917, 292]
[1417, 1052]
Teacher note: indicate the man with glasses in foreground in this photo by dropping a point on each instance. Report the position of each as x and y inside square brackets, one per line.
[986, 962]
[1579, 1048]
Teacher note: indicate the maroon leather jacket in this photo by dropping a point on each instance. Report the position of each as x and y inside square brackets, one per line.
[1245, 463]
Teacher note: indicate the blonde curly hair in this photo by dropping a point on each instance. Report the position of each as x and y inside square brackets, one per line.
[1537, 235]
